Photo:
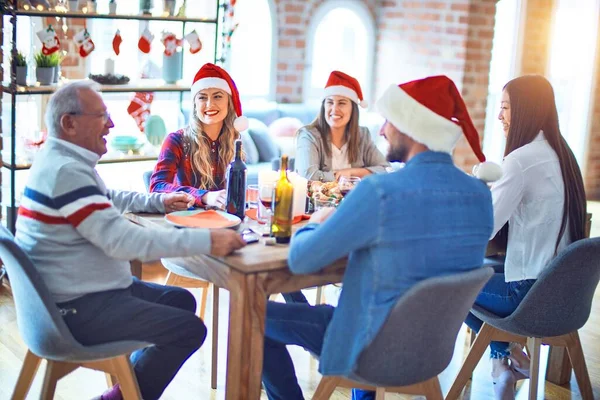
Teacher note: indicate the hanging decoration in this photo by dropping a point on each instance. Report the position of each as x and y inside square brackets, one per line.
[139, 108]
[85, 43]
[116, 43]
[229, 27]
[171, 43]
[145, 41]
[49, 39]
[194, 40]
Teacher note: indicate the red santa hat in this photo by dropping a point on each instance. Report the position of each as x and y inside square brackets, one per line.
[213, 76]
[341, 84]
[432, 112]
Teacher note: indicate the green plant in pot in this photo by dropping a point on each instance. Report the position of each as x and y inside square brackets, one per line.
[56, 59]
[44, 71]
[21, 64]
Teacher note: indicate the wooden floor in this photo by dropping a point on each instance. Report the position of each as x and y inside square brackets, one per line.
[193, 381]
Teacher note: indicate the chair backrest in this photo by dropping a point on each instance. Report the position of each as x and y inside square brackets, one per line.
[146, 176]
[40, 322]
[561, 299]
[417, 340]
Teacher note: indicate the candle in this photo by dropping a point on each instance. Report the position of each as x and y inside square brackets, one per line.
[300, 193]
[109, 66]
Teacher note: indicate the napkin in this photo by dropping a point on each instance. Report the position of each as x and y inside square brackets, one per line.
[207, 219]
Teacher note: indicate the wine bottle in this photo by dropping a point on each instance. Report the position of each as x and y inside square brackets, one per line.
[236, 184]
[283, 196]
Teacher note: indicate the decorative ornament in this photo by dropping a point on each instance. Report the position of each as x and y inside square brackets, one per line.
[194, 40]
[85, 43]
[49, 39]
[171, 43]
[139, 108]
[181, 11]
[116, 43]
[145, 41]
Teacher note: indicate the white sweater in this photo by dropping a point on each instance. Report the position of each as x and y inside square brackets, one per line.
[73, 229]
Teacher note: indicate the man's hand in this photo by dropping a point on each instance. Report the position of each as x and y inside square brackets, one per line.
[360, 172]
[224, 242]
[178, 201]
[215, 199]
[321, 215]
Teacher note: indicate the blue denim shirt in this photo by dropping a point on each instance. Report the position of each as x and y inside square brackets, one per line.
[425, 220]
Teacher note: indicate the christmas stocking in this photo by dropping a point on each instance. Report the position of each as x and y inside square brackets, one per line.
[171, 43]
[116, 43]
[194, 40]
[145, 41]
[139, 108]
[49, 39]
[84, 41]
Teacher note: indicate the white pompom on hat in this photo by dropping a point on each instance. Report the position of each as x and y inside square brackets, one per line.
[432, 112]
[213, 76]
[341, 84]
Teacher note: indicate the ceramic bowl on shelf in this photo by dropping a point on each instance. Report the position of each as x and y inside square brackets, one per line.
[126, 143]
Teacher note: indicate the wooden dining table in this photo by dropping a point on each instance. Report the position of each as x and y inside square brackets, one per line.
[250, 275]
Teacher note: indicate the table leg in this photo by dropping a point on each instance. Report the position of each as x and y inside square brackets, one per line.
[136, 268]
[559, 366]
[246, 339]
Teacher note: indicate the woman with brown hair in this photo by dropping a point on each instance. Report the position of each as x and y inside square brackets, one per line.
[334, 145]
[541, 198]
[195, 159]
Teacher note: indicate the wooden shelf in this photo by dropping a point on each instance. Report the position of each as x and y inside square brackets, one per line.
[79, 14]
[143, 85]
[112, 158]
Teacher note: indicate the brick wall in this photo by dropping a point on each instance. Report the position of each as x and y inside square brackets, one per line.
[536, 46]
[73, 66]
[592, 172]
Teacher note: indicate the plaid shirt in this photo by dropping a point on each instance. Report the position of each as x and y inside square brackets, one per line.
[174, 172]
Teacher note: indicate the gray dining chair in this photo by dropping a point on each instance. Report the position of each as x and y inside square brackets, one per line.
[552, 312]
[417, 340]
[48, 337]
[146, 177]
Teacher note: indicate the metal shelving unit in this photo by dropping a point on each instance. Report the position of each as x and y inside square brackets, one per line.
[13, 90]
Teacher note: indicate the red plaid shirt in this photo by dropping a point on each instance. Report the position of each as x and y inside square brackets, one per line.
[174, 172]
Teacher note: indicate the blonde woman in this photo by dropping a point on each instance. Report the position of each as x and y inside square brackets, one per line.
[194, 159]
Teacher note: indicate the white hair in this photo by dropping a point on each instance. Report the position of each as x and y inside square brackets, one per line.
[66, 100]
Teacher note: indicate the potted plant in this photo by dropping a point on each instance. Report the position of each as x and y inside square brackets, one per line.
[112, 7]
[146, 6]
[21, 64]
[44, 71]
[56, 59]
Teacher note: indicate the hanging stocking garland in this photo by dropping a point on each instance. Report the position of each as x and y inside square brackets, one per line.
[139, 108]
[49, 39]
[171, 43]
[194, 40]
[116, 43]
[85, 43]
[145, 41]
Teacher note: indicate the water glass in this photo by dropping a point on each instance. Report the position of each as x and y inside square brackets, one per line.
[328, 203]
[252, 196]
[347, 183]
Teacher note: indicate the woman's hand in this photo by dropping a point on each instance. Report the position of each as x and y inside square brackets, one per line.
[216, 198]
[178, 201]
[360, 172]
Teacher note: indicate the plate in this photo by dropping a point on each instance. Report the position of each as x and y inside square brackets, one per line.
[203, 219]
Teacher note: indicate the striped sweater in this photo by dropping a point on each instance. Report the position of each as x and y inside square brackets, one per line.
[73, 229]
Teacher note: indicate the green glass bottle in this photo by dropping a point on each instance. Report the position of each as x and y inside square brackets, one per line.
[283, 197]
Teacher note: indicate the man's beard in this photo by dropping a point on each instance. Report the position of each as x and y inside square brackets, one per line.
[397, 154]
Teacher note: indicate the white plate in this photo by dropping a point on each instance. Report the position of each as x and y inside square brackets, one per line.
[175, 218]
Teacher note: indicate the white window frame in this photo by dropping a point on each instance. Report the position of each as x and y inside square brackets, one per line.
[364, 13]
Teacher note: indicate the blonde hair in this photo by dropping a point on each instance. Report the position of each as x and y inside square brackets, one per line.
[199, 146]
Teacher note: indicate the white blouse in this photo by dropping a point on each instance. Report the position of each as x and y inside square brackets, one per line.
[339, 157]
[530, 196]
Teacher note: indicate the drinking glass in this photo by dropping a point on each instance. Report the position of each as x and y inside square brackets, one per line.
[252, 196]
[347, 183]
[265, 195]
[319, 204]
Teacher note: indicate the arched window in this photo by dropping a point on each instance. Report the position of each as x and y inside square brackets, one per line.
[341, 37]
[250, 60]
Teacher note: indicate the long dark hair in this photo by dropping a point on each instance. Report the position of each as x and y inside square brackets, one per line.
[533, 109]
[352, 132]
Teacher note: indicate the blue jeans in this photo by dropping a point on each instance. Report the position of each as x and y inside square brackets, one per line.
[502, 298]
[298, 324]
[146, 312]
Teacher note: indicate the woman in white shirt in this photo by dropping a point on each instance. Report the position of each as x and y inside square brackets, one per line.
[334, 145]
[541, 198]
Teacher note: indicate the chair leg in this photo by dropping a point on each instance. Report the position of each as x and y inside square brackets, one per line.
[31, 363]
[171, 279]
[433, 390]
[579, 367]
[534, 344]
[482, 341]
[111, 380]
[54, 371]
[319, 298]
[202, 310]
[326, 387]
[380, 393]
[124, 372]
[215, 337]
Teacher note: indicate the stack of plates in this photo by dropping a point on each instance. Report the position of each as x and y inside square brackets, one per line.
[126, 143]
